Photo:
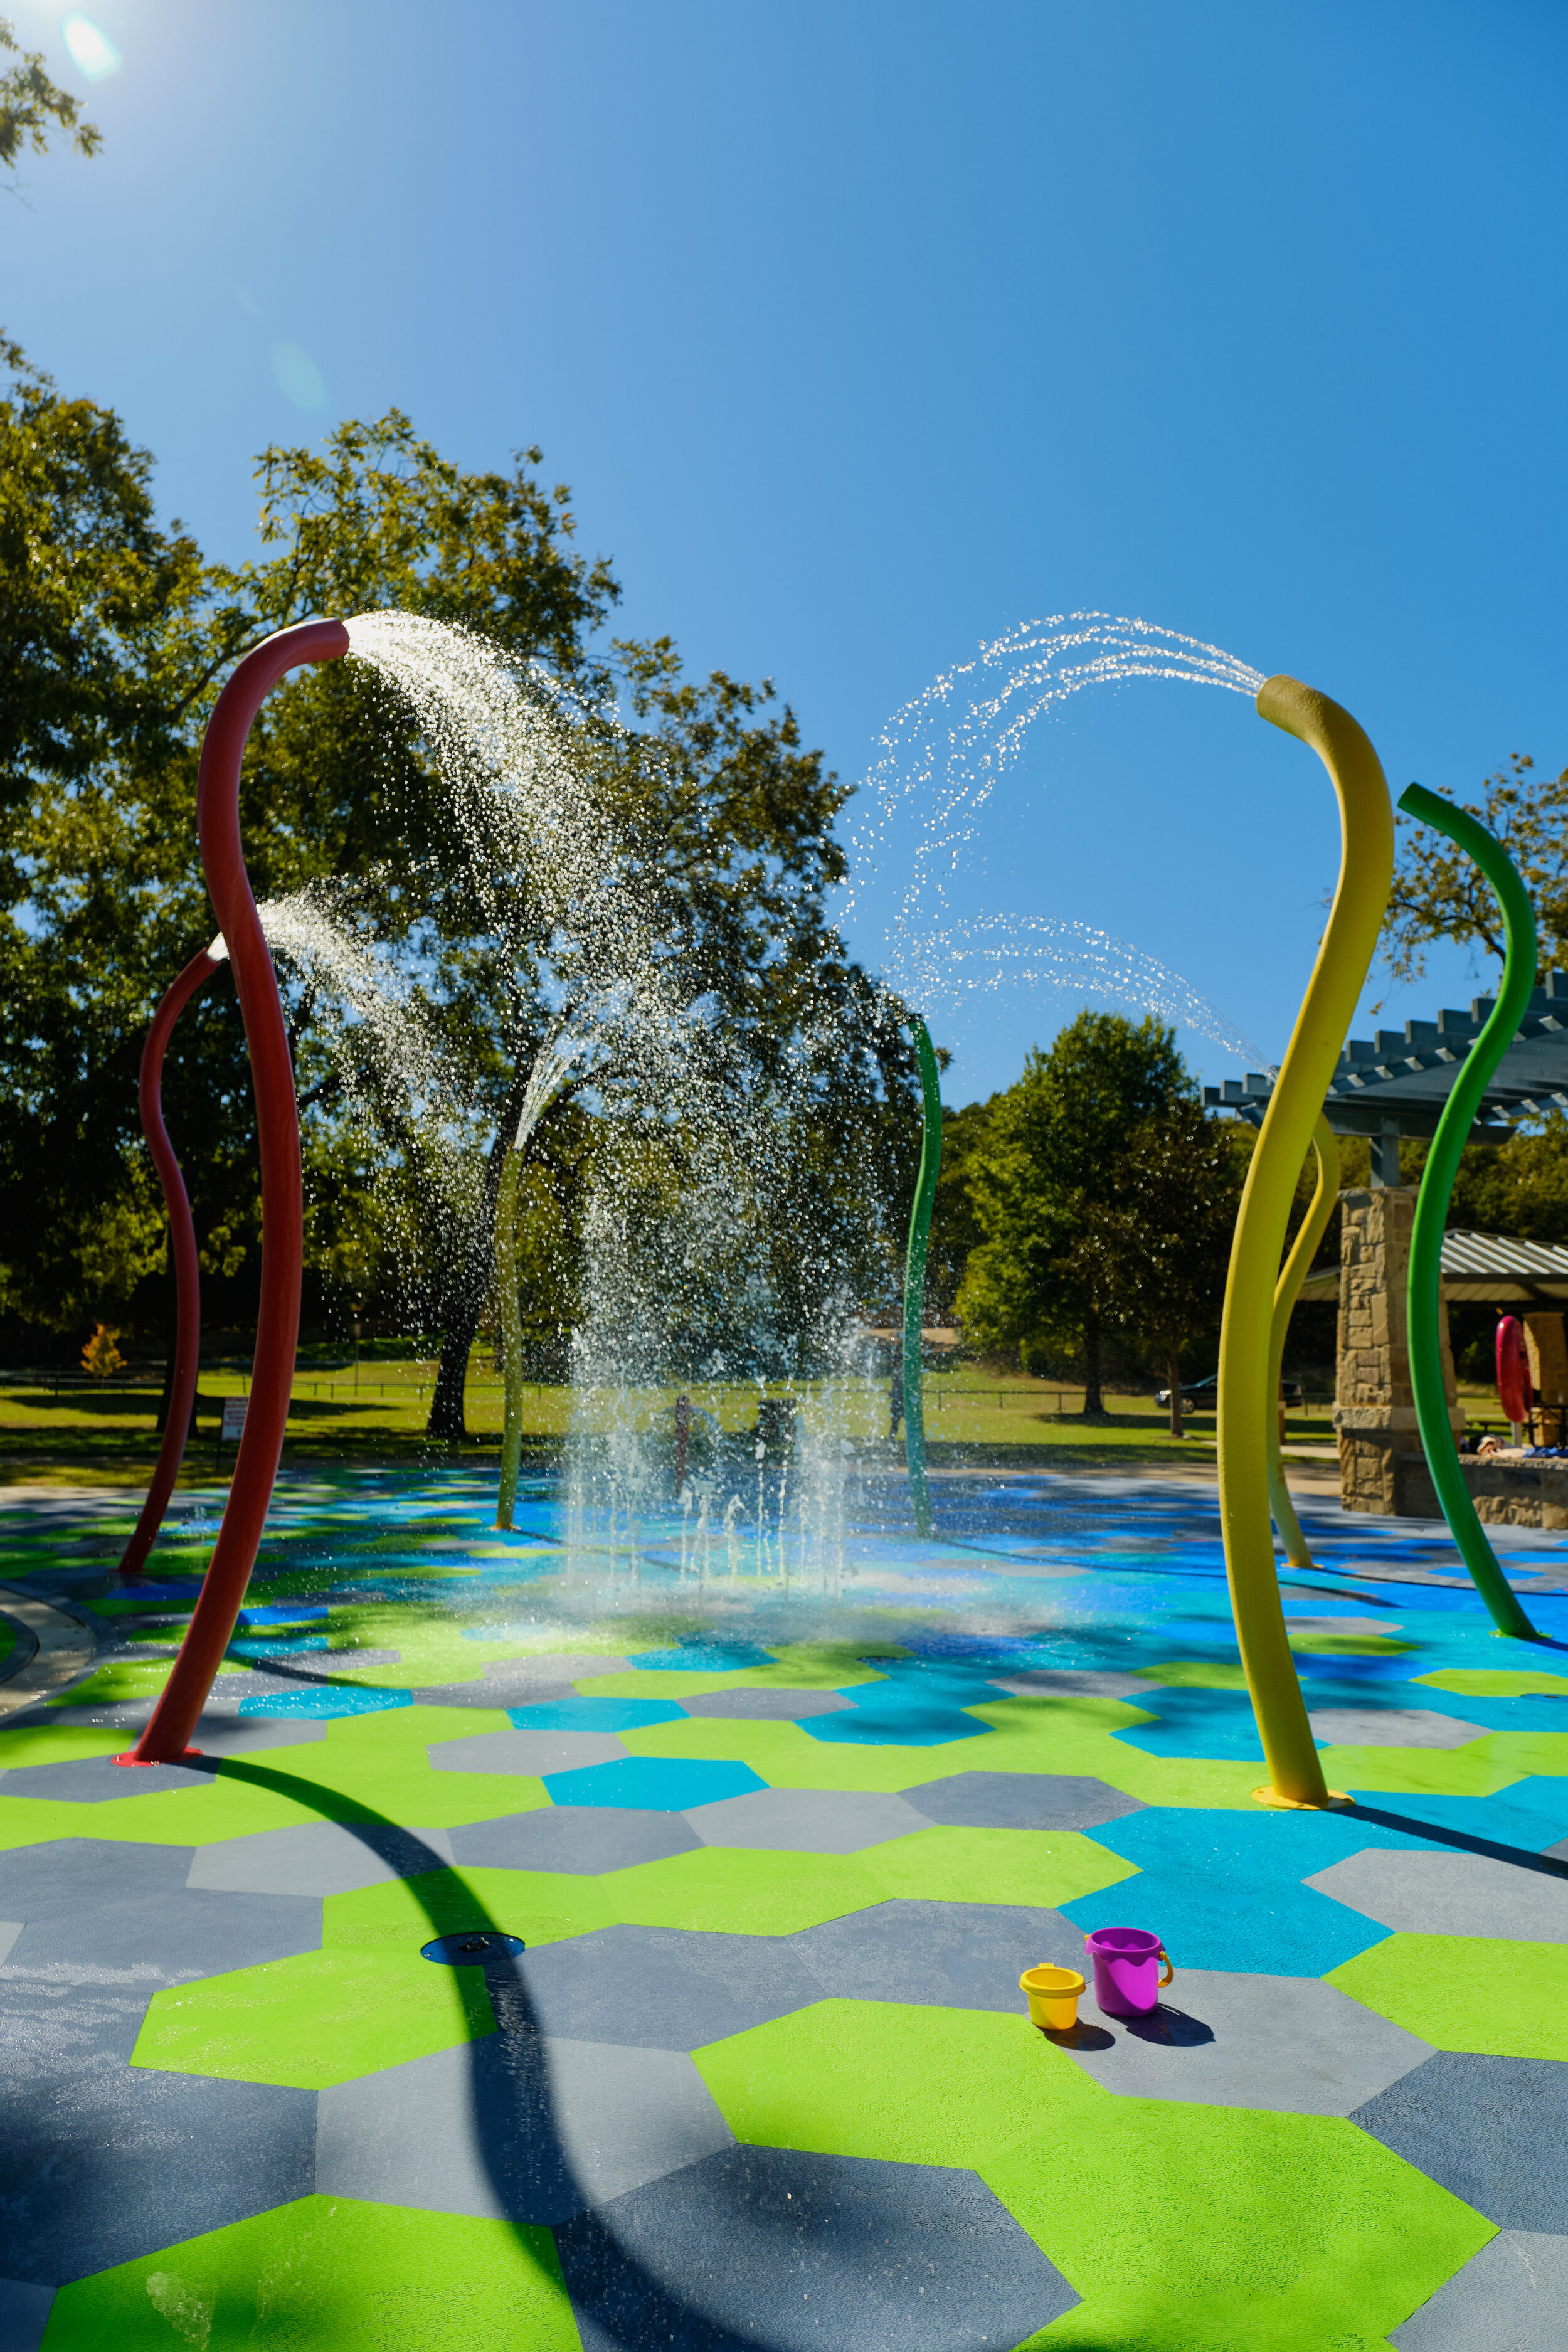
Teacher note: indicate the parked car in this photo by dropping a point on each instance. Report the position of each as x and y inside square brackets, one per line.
[1202, 1396]
[1195, 1394]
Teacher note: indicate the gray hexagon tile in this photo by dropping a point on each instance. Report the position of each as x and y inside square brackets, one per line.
[767, 1706]
[24, 2314]
[516, 1682]
[528, 2127]
[97, 1902]
[819, 2249]
[98, 1780]
[101, 2162]
[1052, 1682]
[949, 1955]
[1233, 2040]
[664, 1988]
[585, 1839]
[1492, 2130]
[1350, 1629]
[1511, 2297]
[318, 1858]
[806, 1820]
[221, 1731]
[530, 1752]
[1391, 1726]
[1021, 1800]
[1449, 1893]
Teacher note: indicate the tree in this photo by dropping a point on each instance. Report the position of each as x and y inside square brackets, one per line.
[1160, 1247]
[30, 102]
[118, 634]
[955, 1229]
[1055, 1152]
[1440, 893]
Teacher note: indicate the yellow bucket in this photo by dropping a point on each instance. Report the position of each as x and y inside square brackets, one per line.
[1053, 1998]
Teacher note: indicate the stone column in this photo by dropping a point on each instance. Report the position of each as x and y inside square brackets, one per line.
[1381, 1467]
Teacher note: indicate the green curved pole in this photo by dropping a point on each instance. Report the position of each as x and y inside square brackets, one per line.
[1246, 1404]
[510, 1336]
[1436, 1185]
[915, 1272]
[1304, 1249]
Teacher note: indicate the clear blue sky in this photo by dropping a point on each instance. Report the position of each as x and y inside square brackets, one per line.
[864, 331]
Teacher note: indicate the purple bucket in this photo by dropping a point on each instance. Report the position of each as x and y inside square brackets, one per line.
[1127, 1978]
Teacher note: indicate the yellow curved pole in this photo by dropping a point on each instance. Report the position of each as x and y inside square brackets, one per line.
[1303, 1250]
[1245, 1401]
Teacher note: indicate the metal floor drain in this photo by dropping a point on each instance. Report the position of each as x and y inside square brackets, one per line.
[470, 1949]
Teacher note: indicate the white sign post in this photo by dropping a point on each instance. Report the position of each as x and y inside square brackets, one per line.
[232, 1427]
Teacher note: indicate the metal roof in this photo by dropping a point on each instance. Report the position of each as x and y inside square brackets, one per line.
[1484, 1270]
[1400, 1078]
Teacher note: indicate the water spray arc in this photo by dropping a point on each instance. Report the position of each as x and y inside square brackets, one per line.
[173, 1719]
[1247, 1402]
[1425, 1279]
[915, 1272]
[184, 1267]
[1303, 1250]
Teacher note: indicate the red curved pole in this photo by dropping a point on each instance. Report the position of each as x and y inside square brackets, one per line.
[173, 1720]
[183, 1261]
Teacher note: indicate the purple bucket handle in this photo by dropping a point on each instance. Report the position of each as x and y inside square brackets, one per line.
[1127, 1980]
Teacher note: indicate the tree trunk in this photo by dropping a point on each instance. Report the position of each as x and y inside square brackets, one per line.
[1093, 1402]
[466, 1295]
[1174, 1377]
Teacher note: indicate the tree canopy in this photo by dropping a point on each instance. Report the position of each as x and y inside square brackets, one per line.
[31, 104]
[1052, 1187]
[116, 631]
[1440, 893]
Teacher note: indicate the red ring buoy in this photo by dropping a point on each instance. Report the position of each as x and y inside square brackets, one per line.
[1512, 1371]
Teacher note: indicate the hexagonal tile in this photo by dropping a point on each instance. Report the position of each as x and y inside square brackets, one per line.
[318, 1858]
[528, 1754]
[76, 2183]
[1021, 1800]
[943, 1955]
[1194, 1860]
[1492, 2130]
[1390, 1727]
[672, 1784]
[403, 1915]
[581, 1839]
[98, 1780]
[94, 1902]
[805, 1820]
[1449, 1893]
[570, 1713]
[1197, 1721]
[1032, 1867]
[1049, 1682]
[329, 2271]
[24, 2314]
[663, 1987]
[1459, 1992]
[317, 2018]
[1226, 2040]
[1511, 2297]
[912, 2083]
[876, 2253]
[917, 1703]
[525, 2126]
[767, 1706]
[1185, 2226]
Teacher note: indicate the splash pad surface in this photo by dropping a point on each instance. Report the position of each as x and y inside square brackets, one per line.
[778, 1841]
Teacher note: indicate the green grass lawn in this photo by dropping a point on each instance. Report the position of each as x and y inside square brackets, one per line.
[377, 1411]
